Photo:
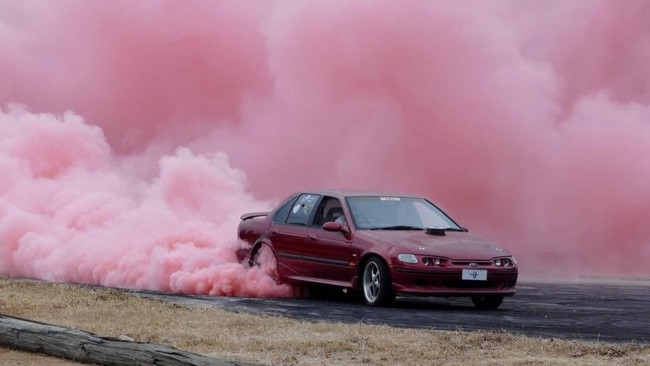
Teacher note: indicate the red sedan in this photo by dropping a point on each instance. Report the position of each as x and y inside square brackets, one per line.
[379, 245]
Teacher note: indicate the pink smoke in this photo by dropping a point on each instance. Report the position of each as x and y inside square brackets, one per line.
[527, 121]
[71, 210]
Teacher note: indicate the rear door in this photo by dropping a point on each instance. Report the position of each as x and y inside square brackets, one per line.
[289, 233]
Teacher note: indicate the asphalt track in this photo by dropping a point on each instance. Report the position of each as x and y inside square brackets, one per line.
[604, 312]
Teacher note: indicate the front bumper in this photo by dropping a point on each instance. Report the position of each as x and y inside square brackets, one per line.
[449, 282]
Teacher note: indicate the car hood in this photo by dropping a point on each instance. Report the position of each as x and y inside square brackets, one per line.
[455, 245]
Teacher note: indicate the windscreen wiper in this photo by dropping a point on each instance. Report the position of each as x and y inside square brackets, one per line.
[454, 229]
[398, 227]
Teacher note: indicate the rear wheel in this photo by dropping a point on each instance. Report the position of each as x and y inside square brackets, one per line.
[487, 302]
[266, 260]
[377, 286]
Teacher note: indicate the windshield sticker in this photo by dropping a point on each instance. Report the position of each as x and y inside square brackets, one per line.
[389, 198]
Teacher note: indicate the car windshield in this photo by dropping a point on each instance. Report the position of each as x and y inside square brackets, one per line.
[398, 213]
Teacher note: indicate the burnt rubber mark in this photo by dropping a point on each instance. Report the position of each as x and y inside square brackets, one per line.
[595, 311]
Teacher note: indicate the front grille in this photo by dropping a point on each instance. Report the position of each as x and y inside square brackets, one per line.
[472, 284]
[458, 285]
[467, 263]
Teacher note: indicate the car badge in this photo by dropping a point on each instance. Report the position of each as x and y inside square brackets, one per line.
[499, 249]
[423, 248]
[473, 265]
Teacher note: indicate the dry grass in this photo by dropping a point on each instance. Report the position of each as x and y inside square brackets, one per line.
[282, 341]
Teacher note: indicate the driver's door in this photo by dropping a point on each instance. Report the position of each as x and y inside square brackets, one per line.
[326, 254]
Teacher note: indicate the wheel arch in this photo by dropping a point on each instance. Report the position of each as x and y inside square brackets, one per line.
[362, 264]
[258, 244]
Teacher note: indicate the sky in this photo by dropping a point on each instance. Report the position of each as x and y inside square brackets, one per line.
[134, 134]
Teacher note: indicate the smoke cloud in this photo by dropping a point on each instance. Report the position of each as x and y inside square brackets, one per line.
[133, 135]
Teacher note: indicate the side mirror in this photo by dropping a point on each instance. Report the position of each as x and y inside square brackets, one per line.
[337, 227]
[332, 226]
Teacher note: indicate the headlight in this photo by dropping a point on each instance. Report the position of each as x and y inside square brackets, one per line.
[428, 261]
[407, 258]
[504, 262]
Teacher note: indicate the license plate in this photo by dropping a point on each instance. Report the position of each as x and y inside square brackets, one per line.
[475, 274]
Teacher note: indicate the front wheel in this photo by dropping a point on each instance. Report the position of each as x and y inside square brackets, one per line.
[487, 302]
[377, 286]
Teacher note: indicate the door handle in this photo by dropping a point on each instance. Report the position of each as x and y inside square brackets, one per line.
[312, 237]
[274, 231]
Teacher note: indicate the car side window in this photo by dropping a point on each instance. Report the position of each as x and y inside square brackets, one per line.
[329, 210]
[302, 209]
[280, 216]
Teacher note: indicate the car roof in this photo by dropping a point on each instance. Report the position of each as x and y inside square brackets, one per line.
[356, 193]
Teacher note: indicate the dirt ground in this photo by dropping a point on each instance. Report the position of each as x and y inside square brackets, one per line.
[281, 341]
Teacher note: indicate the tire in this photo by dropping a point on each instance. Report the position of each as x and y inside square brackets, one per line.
[487, 302]
[265, 258]
[376, 283]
